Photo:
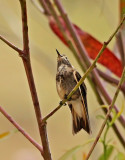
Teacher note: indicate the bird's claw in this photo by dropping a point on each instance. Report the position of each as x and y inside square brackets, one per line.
[61, 103]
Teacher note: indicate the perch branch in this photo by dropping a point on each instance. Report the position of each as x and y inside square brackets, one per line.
[73, 91]
[21, 130]
[108, 113]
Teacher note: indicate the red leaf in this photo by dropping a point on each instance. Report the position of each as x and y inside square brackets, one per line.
[93, 46]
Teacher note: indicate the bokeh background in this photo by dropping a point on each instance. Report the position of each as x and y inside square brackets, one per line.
[99, 18]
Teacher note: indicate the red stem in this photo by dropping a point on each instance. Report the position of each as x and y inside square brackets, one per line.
[21, 130]
[11, 45]
[111, 80]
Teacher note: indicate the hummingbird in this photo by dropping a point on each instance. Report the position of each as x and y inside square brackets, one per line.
[66, 79]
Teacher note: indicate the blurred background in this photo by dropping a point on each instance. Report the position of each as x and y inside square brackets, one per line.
[99, 18]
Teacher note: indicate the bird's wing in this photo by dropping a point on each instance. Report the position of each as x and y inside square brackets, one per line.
[83, 92]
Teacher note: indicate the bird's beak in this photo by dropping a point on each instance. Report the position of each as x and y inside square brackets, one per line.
[59, 55]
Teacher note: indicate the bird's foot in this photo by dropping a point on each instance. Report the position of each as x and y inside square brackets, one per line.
[62, 104]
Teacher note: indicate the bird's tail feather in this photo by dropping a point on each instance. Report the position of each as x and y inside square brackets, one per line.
[79, 123]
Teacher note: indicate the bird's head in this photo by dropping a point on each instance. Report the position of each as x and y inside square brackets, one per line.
[62, 60]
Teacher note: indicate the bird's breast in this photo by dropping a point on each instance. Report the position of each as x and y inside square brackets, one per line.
[65, 81]
[60, 89]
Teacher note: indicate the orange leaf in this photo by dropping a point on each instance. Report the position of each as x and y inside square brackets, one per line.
[84, 156]
[5, 134]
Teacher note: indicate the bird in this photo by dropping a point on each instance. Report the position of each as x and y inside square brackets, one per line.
[66, 79]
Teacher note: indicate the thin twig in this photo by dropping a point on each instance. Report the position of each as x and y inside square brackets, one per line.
[111, 80]
[119, 41]
[24, 27]
[121, 9]
[108, 98]
[82, 50]
[116, 129]
[21, 130]
[11, 45]
[108, 114]
[46, 10]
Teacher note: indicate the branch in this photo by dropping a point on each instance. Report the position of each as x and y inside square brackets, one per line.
[25, 55]
[108, 114]
[119, 41]
[117, 130]
[30, 78]
[83, 53]
[21, 130]
[111, 80]
[11, 45]
[46, 9]
[24, 27]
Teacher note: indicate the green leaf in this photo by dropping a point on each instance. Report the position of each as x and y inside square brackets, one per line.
[7, 134]
[106, 156]
[102, 106]
[73, 150]
[120, 156]
[116, 116]
[100, 116]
